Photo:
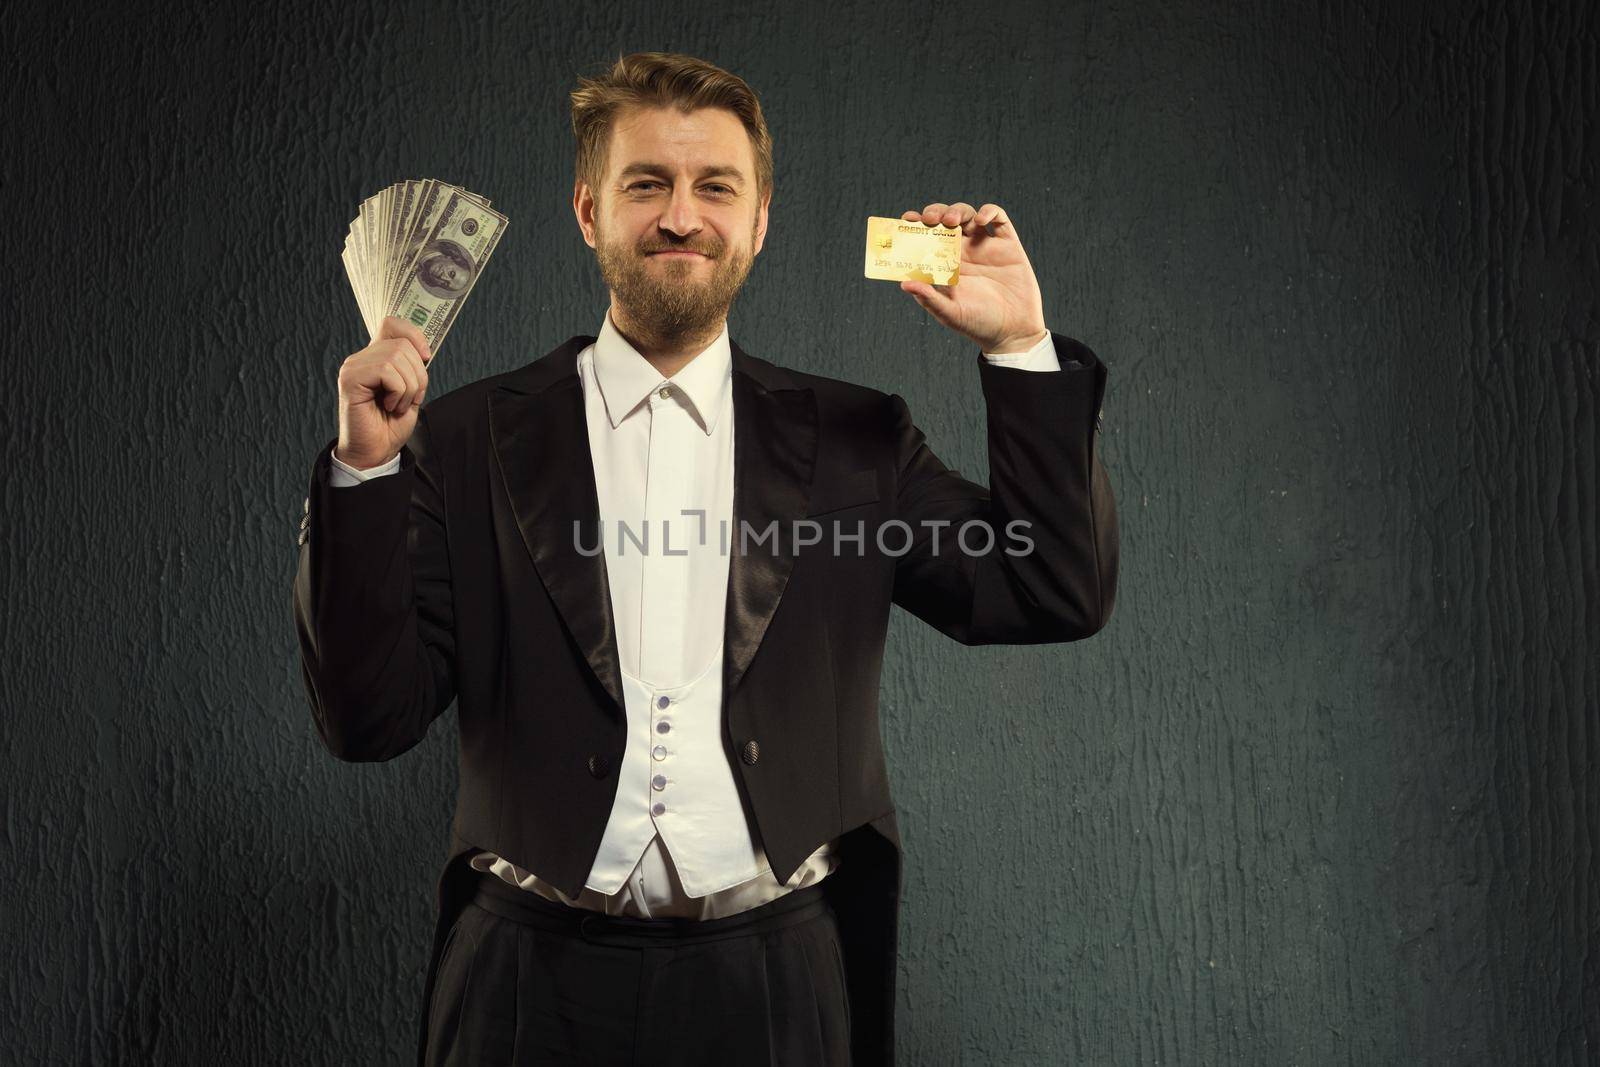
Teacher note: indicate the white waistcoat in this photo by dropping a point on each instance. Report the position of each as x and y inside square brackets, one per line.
[676, 781]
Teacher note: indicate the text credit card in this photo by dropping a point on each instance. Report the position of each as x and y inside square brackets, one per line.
[898, 250]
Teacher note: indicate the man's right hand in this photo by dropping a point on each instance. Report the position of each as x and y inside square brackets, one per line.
[380, 391]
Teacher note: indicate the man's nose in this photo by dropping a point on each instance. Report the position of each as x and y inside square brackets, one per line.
[682, 214]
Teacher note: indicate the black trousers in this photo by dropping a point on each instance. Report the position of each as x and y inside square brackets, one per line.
[525, 980]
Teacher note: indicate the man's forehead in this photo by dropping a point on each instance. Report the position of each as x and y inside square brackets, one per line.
[658, 120]
[707, 137]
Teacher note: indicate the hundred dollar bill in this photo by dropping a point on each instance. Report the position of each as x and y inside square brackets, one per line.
[415, 250]
[422, 205]
[446, 265]
[402, 204]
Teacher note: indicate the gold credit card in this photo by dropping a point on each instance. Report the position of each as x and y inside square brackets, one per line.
[898, 250]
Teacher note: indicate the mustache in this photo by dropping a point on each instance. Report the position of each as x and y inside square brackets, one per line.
[678, 248]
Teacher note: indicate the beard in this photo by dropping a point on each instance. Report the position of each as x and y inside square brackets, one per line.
[673, 298]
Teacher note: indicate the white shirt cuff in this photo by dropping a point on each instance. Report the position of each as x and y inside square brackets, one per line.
[342, 475]
[1041, 356]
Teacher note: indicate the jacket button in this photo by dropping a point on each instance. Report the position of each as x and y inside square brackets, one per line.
[751, 753]
[597, 766]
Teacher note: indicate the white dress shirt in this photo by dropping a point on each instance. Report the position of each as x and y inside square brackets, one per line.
[677, 843]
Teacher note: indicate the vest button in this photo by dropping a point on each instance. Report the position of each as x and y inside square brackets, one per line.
[598, 766]
[752, 752]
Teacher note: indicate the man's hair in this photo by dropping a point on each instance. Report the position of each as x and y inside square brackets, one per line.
[662, 79]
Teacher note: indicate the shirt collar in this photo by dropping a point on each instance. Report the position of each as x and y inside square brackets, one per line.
[626, 378]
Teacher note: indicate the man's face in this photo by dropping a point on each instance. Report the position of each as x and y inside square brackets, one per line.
[675, 182]
[449, 275]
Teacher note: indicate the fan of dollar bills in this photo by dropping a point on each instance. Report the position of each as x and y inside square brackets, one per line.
[414, 251]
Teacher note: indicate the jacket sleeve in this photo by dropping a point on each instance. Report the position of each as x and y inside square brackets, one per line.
[1038, 562]
[372, 605]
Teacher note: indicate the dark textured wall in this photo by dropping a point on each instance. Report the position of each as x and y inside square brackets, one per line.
[1324, 791]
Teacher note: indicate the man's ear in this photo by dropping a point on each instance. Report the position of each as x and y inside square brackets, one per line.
[583, 206]
[761, 223]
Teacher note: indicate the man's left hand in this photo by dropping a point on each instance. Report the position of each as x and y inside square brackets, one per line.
[995, 302]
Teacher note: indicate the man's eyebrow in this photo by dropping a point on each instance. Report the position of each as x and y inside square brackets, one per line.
[711, 171]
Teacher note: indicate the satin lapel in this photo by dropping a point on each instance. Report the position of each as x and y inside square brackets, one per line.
[541, 442]
[774, 456]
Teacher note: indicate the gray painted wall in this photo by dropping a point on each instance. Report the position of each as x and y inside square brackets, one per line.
[1322, 792]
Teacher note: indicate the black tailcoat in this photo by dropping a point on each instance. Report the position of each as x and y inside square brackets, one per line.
[462, 578]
